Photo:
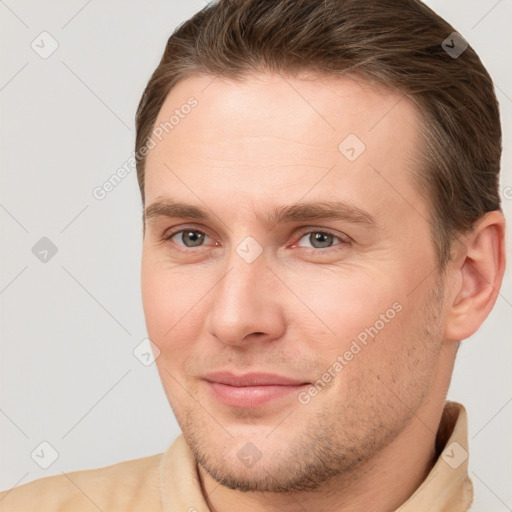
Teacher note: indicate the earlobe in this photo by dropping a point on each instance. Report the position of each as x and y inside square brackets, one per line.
[479, 274]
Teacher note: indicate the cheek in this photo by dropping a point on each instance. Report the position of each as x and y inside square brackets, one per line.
[165, 291]
[173, 303]
[343, 305]
[168, 327]
[157, 302]
[161, 304]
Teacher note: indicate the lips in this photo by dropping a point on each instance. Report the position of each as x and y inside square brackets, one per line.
[252, 389]
[252, 379]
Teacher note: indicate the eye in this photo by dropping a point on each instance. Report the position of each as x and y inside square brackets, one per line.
[318, 239]
[187, 237]
[321, 240]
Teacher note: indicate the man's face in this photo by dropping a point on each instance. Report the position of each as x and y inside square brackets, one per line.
[243, 292]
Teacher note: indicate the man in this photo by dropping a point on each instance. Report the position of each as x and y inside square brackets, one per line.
[322, 227]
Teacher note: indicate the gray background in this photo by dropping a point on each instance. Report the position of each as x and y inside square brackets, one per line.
[70, 325]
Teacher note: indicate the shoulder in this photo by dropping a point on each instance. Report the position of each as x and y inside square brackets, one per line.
[125, 485]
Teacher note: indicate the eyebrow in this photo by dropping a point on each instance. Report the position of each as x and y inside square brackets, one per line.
[306, 211]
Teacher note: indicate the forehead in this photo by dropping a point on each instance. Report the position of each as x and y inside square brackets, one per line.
[270, 135]
[329, 104]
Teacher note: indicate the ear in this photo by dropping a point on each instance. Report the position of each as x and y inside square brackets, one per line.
[478, 273]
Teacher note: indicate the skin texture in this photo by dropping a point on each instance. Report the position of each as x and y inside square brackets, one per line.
[366, 440]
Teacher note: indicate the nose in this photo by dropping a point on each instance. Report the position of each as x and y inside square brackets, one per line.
[245, 303]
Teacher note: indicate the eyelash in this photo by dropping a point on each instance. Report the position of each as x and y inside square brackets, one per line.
[344, 239]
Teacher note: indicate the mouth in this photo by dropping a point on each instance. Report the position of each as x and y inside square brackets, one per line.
[253, 389]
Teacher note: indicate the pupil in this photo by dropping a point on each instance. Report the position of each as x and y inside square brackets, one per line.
[194, 236]
[319, 236]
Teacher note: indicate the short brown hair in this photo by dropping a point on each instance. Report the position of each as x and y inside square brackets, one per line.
[393, 43]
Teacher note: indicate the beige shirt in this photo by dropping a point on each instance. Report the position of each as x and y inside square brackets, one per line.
[169, 482]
